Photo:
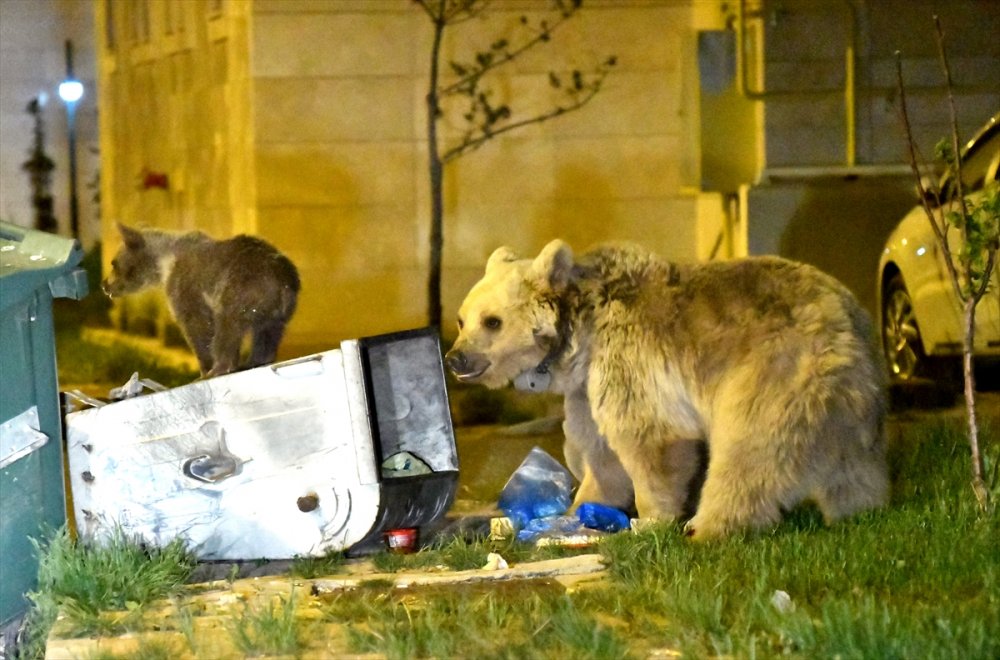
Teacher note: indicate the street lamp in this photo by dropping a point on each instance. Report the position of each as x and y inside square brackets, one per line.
[71, 91]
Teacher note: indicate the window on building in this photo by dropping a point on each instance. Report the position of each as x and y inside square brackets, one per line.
[139, 21]
[216, 8]
[109, 25]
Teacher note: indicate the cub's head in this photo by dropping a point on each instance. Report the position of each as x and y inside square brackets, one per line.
[508, 321]
[135, 266]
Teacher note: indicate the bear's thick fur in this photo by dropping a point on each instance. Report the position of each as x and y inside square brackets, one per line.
[764, 367]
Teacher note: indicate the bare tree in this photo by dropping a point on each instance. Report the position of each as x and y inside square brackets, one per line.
[486, 115]
[975, 223]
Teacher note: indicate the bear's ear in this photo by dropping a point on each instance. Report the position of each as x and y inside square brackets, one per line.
[500, 255]
[133, 238]
[553, 265]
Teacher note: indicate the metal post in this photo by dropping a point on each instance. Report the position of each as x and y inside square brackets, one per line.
[74, 213]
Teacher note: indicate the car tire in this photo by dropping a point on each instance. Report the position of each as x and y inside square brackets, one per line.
[918, 380]
[904, 350]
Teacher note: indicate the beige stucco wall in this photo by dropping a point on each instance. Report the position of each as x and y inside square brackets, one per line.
[304, 121]
[341, 150]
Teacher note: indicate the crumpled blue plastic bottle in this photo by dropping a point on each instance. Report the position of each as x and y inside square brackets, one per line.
[550, 526]
[540, 487]
[603, 517]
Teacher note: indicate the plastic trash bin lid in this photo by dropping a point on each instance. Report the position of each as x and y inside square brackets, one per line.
[30, 259]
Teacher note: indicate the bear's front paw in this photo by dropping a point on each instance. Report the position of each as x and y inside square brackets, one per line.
[700, 530]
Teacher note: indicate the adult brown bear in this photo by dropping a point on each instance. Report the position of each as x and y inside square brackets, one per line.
[768, 364]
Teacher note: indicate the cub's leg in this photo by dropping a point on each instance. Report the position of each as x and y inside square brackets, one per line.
[226, 345]
[197, 324]
[590, 459]
[856, 477]
[266, 339]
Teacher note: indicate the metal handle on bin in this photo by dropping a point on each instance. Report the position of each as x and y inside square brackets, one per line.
[212, 469]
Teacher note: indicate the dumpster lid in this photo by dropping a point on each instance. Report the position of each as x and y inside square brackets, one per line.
[31, 258]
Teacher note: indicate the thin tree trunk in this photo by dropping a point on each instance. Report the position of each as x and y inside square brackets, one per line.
[437, 182]
[978, 484]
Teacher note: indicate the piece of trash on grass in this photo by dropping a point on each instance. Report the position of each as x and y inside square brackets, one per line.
[782, 602]
[501, 528]
[404, 464]
[558, 530]
[402, 541]
[539, 488]
[595, 515]
[495, 562]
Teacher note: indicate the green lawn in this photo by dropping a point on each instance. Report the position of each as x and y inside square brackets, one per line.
[918, 579]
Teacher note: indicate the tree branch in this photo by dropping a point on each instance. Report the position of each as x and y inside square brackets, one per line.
[467, 82]
[940, 230]
[473, 143]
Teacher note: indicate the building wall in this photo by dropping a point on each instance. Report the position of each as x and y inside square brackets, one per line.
[316, 140]
[32, 64]
[828, 194]
[805, 79]
[177, 140]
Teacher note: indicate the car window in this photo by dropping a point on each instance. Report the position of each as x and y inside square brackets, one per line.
[979, 165]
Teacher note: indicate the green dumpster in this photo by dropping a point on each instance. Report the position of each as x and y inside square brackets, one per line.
[35, 267]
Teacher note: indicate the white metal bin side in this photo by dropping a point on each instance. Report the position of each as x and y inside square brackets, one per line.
[272, 462]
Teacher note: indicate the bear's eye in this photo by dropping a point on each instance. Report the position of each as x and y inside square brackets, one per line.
[461, 323]
[492, 323]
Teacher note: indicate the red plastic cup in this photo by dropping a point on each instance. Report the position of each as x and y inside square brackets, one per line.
[402, 541]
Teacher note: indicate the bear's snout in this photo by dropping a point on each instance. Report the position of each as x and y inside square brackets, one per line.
[465, 366]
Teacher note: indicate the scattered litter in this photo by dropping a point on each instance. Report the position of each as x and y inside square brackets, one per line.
[501, 528]
[539, 488]
[782, 602]
[404, 464]
[78, 396]
[558, 530]
[495, 562]
[606, 518]
[535, 500]
[587, 564]
[134, 387]
[402, 541]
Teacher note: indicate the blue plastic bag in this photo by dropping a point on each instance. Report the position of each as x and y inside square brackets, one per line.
[540, 487]
[603, 517]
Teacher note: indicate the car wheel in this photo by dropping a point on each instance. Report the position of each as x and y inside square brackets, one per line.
[904, 351]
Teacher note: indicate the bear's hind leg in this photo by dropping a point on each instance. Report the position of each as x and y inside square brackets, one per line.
[748, 484]
[194, 318]
[226, 345]
[266, 339]
[857, 481]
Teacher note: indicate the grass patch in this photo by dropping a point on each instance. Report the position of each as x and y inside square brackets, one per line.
[514, 619]
[146, 650]
[314, 567]
[918, 579]
[271, 629]
[81, 361]
[103, 589]
[461, 554]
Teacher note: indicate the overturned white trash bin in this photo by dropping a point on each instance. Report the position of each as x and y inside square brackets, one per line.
[297, 458]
